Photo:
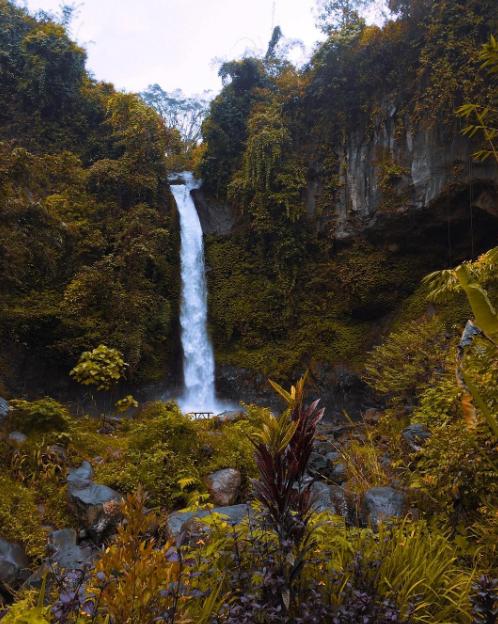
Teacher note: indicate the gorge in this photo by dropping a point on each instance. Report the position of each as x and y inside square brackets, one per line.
[335, 274]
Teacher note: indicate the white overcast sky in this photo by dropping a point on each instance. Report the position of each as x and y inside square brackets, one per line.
[134, 43]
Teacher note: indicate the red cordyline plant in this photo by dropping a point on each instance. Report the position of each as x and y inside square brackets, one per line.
[283, 448]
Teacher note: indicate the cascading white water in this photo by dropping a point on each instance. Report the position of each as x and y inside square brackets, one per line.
[198, 358]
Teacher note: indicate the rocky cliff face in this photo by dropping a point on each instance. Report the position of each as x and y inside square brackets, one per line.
[398, 168]
[216, 217]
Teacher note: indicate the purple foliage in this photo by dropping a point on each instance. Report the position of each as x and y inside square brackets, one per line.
[485, 601]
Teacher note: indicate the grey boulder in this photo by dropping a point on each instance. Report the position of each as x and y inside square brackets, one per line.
[96, 506]
[321, 497]
[416, 436]
[17, 438]
[381, 503]
[338, 473]
[318, 464]
[81, 477]
[65, 551]
[13, 564]
[4, 409]
[224, 486]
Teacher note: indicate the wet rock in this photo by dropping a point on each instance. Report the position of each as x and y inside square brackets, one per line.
[17, 438]
[179, 520]
[381, 503]
[97, 508]
[416, 436]
[216, 217]
[13, 565]
[224, 485]
[81, 477]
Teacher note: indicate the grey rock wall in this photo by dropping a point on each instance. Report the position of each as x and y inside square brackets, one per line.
[395, 168]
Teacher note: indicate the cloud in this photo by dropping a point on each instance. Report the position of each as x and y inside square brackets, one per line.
[172, 42]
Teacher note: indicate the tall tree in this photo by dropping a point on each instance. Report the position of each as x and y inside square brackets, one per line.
[335, 15]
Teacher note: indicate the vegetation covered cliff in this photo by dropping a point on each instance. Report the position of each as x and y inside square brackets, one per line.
[342, 185]
[88, 240]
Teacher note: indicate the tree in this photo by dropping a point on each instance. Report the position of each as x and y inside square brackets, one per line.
[179, 111]
[102, 367]
[409, 9]
[336, 15]
[225, 130]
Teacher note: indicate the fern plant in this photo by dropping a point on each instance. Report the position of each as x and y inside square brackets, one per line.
[192, 489]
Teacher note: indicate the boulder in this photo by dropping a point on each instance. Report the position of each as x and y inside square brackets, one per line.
[17, 438]
[13, 565]
[338, 473]
[81, 477]
[380, 503]
[97, 508]
[234, 515]
[332, 457]
[66, 552]
[322, 500]
[224, 485]
[318, 464]
[4, 409]
[416, 436]
[339, 501]
[324, 447]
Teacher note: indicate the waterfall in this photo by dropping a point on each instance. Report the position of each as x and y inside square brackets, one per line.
[198, 358]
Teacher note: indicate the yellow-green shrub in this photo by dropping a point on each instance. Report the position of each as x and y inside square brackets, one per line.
[42, 415]
[411, 563]
[19, 517]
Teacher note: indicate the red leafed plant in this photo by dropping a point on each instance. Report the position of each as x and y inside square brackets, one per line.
[283, 448]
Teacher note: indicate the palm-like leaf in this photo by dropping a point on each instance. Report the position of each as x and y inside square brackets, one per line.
[441, 283]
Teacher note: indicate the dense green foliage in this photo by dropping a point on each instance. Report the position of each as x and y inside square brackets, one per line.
[87, 243]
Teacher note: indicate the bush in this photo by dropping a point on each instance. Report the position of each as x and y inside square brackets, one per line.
[19, 517]
[407, 360]
[42, 415]
[456, 471]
